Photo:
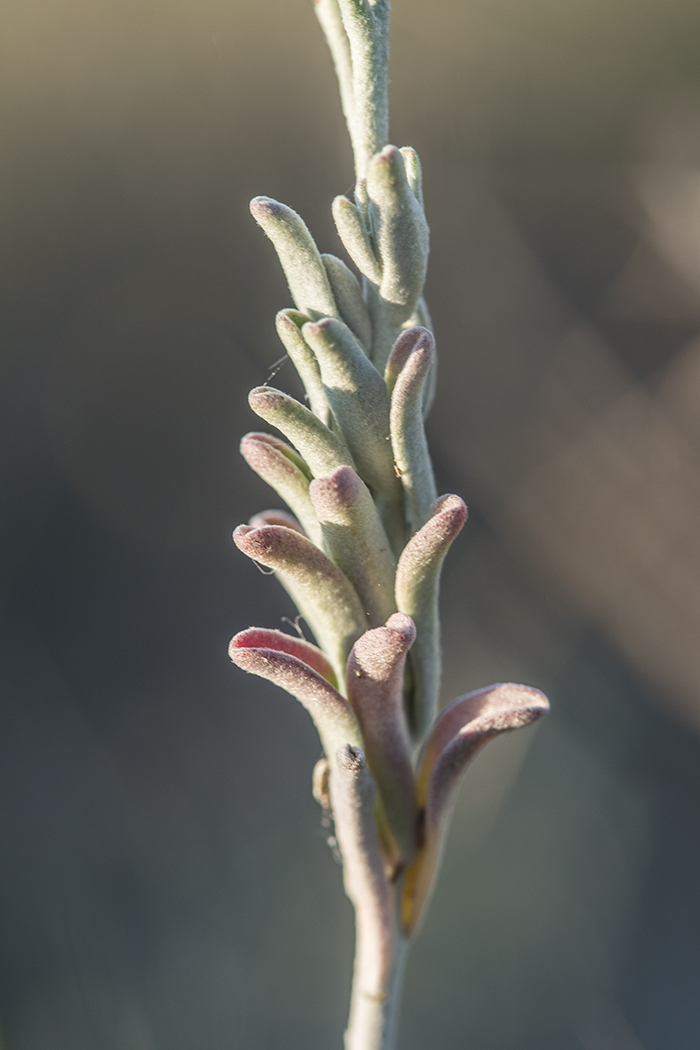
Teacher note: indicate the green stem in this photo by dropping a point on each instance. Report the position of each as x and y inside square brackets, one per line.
[374, 1006]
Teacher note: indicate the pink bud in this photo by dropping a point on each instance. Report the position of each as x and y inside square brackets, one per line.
[281, 659]
[375, 690]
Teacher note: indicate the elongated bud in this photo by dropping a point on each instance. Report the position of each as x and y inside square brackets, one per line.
[459, 731]
[356, 540]
[298, 254]
[282, 468]
[355, 239]
[463, 727]
[289, 324]
[266, 638]
[400, 353]
[414, 172]
[348, 295]
[401, 232]
[322, 593]
[420, 318]
[275, 444]
[375, 690]
[319, 446]
[276, 657]
[417, 592]
[358, 398]
[407, 369]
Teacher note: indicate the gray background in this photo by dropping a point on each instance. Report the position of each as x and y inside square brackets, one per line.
[165, 882]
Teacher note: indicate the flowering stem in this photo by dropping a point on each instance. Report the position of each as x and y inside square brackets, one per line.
[362, 553]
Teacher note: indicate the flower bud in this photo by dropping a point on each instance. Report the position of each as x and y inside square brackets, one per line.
[458, 733]
[407, 369]
[356, 540]
[288, 663]
[323, 594]
[319, 446]
[298, 255]
[375, 691]
[417, 591]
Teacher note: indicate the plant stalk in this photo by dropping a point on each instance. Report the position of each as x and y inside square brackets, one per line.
[379, 948]
[374, 1005]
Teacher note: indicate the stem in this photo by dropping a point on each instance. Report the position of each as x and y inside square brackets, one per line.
[380, 949]
[374, 1006]
[357, 32]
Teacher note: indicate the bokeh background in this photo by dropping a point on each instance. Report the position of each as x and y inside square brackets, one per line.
[165, 881]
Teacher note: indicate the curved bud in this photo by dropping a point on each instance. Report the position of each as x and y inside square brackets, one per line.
[401, 232]
[410, 363]
[421, 318]
[275, 517]
[280, 466]
[375, 675]
[462, 728]
[355, 238]
[402, 349]
[417, 592]
[289, 324]
[355, 538]
[357, 395]
[348, 295]
[322, 593]
[253, 652]
[414, 172]
[459, 732]
[279, 446]
[298, 255]
[319, 446]
[292, 645]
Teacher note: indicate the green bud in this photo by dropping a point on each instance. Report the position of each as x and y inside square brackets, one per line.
[356, 242]
[417, 592]
[298, 254]
[289, 324]
[414, 172]
[400, 231]
[319, 446]
[322, 593]
[359, 402]
[355, 538]
[348, 295]
[278, 464]
[407, 369]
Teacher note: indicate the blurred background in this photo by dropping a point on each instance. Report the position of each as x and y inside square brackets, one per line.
[165, 881]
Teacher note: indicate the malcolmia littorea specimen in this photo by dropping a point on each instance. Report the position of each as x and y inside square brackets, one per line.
[362, 549]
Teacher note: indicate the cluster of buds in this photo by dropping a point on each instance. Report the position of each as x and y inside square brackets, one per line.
[361, 547]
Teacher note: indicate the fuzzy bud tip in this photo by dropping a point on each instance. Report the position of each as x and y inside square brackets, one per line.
[350, 759]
